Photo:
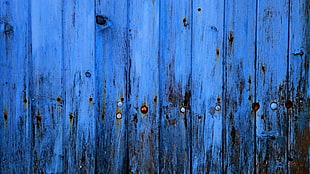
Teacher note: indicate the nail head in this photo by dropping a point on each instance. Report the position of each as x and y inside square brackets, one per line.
[217, 107]
[183, 109]
[118, 115]
[273, 105]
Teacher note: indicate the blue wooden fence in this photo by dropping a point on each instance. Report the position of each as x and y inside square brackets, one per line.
[154, 86]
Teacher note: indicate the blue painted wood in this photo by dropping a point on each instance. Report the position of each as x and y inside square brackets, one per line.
[271, 76]
[239, 91]
[79, 85]
[15, 120]
[143, 121]
[206, 84]
[182, 76]
[46, 87]
[175, 86]
[299, 88]
[111, 83]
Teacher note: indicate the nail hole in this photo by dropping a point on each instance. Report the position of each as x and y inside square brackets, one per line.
[58, 99]
[25, 101]
[38, 116]
[255, 106]
[87, 74]
[101, 20]
[122, 99]
[199, 9]
[217, 52]
[90, 99]
[288, 104]
[199, 117]
[155, 99]
[144, 109]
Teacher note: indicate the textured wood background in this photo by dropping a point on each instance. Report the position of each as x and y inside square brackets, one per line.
[154, 86]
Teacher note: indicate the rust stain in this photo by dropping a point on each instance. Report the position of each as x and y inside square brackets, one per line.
[5, 114]
[184, 22]
[38, 117]
[299, 164]
[217, 53]
[71, 116]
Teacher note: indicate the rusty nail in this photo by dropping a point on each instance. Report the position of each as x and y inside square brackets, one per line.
[119, 115]
[289, 104]
[255, 106]
[217, 107]
[144, 109]
[183, 109]
[119, 104]
[273, 105]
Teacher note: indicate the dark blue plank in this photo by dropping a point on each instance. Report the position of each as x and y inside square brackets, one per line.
[206, 83]
[15, 119]
[299, 87]
[111, 83]
[239, 91]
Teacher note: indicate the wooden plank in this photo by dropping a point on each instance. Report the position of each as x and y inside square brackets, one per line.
[143, 118]
[175, 87]
[271, 74]
[299, 88]
[239, 90]
[46, 86]
[206, 101]
[111, 82]
[79, 77]
[15, 119]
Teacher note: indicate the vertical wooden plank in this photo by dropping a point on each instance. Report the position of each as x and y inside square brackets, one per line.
[15, 120]
[79, 77]
[206, 100]
[143, 132]
[239, 139]
[46, 86]
[175, 72]
[299, 87]
[111, 61]
[272, 125]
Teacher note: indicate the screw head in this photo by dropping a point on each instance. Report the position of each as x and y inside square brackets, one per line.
[273, 105]
[217, 107]
[119, 115]
[182, 109]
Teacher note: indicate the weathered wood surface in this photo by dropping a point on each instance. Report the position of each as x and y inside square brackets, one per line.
[136, 86]
[239, 87]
